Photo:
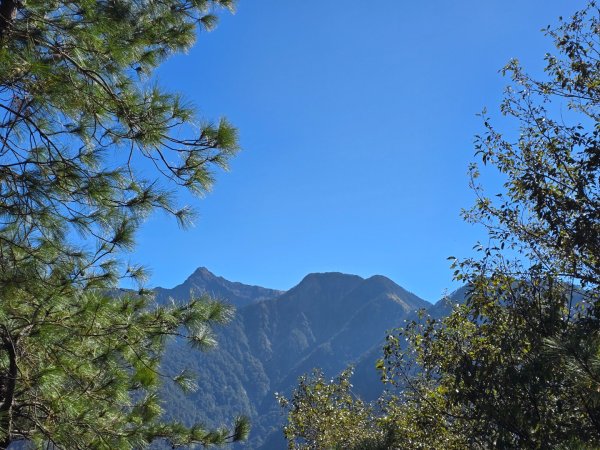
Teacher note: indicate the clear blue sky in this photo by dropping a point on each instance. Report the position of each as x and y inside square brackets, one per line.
[356, 121]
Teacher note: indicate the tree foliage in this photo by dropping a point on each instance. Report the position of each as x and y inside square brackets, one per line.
[90, 145]
[80, 116]
[327, 415]
[517, 365]
[87, 375]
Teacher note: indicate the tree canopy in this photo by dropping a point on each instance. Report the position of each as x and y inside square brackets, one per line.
[81, 113]
[90, 145]
[517, 365]
[325, 414]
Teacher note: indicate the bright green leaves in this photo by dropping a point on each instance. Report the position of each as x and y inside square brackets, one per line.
[75, 90]
[241, 429]
[186, 381]
[325, 414]
[90, 370]
[181, 436]
[90, 147]
[145, 374]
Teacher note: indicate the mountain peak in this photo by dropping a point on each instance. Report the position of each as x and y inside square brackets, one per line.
[381, 286]
[203, 281]
[380, 279]
[203, 273]
[334, 282]
[329, 276]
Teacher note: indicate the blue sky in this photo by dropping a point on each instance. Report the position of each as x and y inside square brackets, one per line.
[356, 121]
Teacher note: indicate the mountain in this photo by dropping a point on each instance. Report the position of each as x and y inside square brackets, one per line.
[202, 281]
[443, 307]
[329, 320]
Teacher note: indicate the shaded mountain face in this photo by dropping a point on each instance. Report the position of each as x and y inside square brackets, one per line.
[202, 281]
[329, 320]
[443, 307]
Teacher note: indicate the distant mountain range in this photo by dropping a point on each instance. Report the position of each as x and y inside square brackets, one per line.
[329, 320]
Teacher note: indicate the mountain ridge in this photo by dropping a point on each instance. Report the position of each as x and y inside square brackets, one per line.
[328, 320]
[203, 281]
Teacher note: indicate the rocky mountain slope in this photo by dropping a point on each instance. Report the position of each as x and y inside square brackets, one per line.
[329, 320]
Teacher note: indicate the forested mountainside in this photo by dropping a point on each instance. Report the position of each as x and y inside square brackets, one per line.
[329, 320]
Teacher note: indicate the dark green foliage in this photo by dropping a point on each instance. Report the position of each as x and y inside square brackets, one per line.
[517, 365]
[88, 373]
[90, 146]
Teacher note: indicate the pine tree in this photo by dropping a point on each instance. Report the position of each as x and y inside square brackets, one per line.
[81, 115]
